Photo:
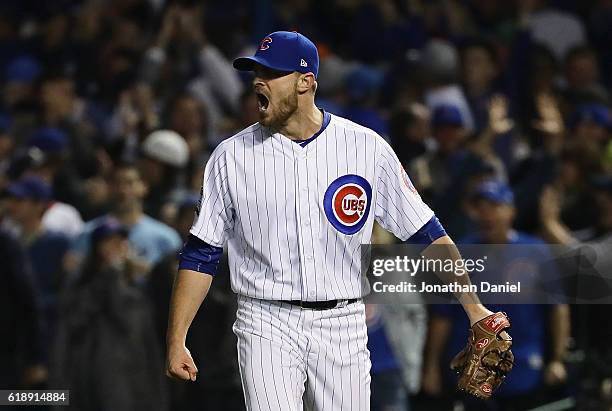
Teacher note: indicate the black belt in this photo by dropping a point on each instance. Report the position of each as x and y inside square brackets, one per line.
[320, 305]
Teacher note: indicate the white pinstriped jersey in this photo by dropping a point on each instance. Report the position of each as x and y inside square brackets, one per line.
[294, 217]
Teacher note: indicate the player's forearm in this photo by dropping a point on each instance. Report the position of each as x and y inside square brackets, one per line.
[190, 289]
[560, 330]
[445, 248]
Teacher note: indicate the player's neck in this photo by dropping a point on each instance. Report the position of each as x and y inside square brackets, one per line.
[303, 124]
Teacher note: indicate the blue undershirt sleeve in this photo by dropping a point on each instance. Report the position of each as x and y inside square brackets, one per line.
[430, 232]
[200, 256]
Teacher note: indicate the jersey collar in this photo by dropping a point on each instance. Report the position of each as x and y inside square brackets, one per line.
[326, 120]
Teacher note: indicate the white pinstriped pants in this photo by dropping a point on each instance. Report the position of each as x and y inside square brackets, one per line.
[294, 359]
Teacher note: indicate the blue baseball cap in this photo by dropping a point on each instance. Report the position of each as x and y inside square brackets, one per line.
[283, 51]
[49, 140]
[32, 188]
[495, 191]
[447, 115]
[109, 227]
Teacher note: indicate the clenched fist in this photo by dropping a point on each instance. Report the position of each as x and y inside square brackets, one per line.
[180, 365]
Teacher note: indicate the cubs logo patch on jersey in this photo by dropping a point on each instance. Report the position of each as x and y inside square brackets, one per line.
[347, 203]
[407, 181]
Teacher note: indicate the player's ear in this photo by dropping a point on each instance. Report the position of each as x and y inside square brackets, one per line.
[306, 82]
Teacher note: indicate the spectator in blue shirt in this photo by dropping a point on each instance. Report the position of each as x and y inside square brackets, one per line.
[150, 239]
[541, 332]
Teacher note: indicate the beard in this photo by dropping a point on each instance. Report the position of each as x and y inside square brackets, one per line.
[281, 112]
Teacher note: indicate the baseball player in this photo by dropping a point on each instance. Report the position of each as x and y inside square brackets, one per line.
[293, 197]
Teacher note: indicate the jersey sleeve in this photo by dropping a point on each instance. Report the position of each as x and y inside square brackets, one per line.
[199, 256]
[214, 214]
[399, 208]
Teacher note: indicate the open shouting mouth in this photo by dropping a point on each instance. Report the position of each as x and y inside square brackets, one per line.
[262, 102]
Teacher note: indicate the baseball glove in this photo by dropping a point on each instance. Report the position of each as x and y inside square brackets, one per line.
[486, 360]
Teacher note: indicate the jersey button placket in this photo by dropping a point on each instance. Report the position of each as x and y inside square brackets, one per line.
[304, 229]
[300, 190]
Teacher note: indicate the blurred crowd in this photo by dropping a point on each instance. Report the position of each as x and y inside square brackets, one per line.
[109, 109]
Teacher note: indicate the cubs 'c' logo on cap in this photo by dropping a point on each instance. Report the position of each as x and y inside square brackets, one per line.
[347, 203]
[265, 43]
